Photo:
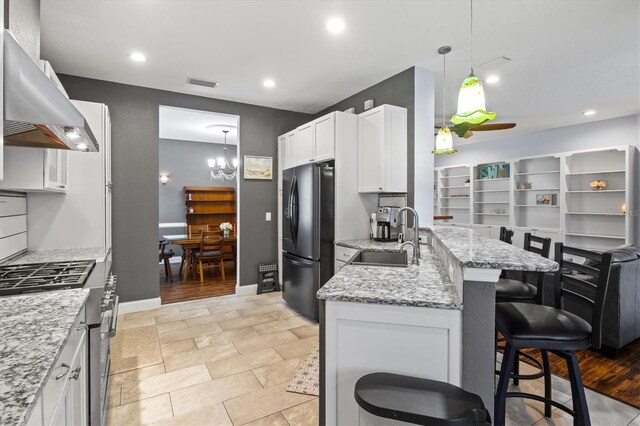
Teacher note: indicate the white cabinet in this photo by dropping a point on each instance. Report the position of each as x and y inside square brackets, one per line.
[282, 158]
[35, 169]
[290, 151]
[382, 150]
[324, 138]
[304, 144]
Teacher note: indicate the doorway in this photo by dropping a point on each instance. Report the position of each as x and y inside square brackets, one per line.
[198, 204]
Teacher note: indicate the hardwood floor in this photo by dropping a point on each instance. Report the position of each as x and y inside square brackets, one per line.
[616, 378]
[192, 289]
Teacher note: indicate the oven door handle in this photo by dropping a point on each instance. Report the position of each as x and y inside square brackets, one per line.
[114, 317]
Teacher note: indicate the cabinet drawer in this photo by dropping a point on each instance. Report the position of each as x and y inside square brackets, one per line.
[12, 245]
[12, 206]
[61, 371]
[12, 225]
[344, 253]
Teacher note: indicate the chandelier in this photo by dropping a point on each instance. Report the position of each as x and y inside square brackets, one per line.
[220, 168]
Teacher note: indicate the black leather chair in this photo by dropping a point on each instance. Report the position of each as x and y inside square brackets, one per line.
[520, 290]
[527, 325]
[419, 401]
[506, 235]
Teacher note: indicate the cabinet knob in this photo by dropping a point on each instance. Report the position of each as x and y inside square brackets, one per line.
[62, 186]
[75, 373]
[380, 188]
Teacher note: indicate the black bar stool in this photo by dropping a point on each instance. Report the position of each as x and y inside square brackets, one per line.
[526, 325]
[419, 401]
[520, 290]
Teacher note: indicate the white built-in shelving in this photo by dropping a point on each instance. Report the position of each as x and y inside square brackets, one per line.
[550, 196]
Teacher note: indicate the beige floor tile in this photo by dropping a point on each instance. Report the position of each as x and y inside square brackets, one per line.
[142, 412]
[262, 403]
[189, 333]
[264, 301]
[199, 356]
[135, 348]
[124, 324]
[171, 326]
[262, 309]
[178, 347]
[276, 419]
[164, 383]
[214, 414]
[151, 313]
[220, 309]
[199, 304]
[225, 337]
[306, 331]
[275, 294]
[279, 372]
[280, 325]
[211, 393]
[137, 374]
[297, 349]
[115, 393]
[265, 341]
[177, 316]
[245, 322]
[283, 314]
[192, 322]
[239, 363]
[304, 414]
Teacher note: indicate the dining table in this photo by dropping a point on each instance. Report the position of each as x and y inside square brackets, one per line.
[190, 244]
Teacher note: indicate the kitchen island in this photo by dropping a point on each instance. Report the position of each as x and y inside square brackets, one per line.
[435, 320]
[34, 329]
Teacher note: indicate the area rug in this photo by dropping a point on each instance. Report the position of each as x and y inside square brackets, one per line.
[307, 378]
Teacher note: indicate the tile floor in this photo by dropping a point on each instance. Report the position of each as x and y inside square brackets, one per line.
[228, 360]
[219, 361]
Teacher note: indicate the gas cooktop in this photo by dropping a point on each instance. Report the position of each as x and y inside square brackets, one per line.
[34, 277]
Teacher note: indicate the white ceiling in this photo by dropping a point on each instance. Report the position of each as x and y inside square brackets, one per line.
[567, 56]
[191, 125]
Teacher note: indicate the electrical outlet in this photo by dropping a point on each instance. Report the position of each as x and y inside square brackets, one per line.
[268, 217]
[368, 104]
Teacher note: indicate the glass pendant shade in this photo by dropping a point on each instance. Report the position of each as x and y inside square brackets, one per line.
[211, 162]
[471, 104]
[444, 142]
[220, 162]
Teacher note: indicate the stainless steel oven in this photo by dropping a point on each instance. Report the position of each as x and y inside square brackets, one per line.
[109, 319]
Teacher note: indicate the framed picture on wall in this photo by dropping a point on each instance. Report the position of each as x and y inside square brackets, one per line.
[260, 168]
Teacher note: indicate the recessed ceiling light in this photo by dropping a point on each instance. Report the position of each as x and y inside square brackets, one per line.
[492, 79]
[269, 83]
[589, 112]
[335, 25]
[138, 57]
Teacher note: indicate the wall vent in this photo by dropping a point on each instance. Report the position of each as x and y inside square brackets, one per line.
[205, 83]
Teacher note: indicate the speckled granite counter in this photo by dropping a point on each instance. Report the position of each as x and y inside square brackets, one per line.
[426, 285]
[60, 255]
[33, 330]
[472, 250]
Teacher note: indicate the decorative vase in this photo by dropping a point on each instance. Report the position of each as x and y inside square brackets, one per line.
[225, 232]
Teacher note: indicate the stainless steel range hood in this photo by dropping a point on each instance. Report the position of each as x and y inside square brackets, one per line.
[36, 113]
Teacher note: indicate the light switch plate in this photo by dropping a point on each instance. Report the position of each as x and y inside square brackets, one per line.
[368, 104]
[267, 217]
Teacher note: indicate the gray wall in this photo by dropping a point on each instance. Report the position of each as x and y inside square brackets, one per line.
[134, 125]
[186, 163]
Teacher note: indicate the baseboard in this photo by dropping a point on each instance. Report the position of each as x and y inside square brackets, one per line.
[139, 305]
[246, 290]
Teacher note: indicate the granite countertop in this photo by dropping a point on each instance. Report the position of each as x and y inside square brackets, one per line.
[33, 330]
[60, 255]
[426, 285]
[473, 250]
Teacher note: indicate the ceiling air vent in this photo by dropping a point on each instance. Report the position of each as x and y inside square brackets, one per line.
[496, 62]
[204, 83]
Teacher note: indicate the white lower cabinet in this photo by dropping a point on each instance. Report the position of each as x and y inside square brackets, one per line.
[65, 398]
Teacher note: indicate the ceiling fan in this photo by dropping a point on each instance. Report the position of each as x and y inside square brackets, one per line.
[465, 130]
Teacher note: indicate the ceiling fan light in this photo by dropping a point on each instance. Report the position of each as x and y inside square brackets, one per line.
[444, 142]
[471, 103]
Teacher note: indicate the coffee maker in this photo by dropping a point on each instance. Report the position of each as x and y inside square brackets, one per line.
[387, 226]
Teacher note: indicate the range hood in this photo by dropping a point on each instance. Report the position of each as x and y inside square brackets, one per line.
[36, 112]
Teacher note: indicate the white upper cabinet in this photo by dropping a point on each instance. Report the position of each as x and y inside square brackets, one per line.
[324, 138]
[35, 169]
[282, 158]
[55, 169]
[382, 150]
[290, 151]
[304, 144]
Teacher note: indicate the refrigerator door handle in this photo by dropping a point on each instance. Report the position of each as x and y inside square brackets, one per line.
[290, 208]
[292, 260]
[296, 211]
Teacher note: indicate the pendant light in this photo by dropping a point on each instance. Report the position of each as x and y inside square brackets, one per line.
[471, 103]
[444, 141]
[224, 170]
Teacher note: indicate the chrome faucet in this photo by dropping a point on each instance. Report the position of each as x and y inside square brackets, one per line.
[414, 260]
[416, 232]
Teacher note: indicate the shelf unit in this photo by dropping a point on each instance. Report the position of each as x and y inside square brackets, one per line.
[577, 215]
[211, 206]
[454, 193]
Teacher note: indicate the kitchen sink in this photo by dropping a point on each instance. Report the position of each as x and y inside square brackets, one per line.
[379, 258]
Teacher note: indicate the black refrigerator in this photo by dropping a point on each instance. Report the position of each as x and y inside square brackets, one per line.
[308, 232]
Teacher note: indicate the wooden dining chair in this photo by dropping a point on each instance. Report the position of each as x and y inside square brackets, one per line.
[210, 252]
[165, 256]
[193, 231]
